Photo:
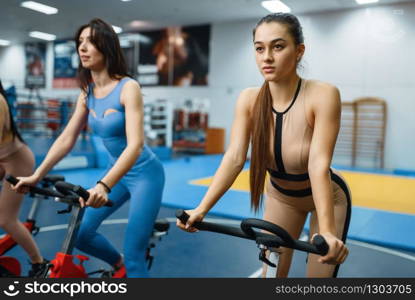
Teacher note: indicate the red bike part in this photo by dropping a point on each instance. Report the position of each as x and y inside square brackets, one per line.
[120, 273]
[11, 264]
[63, 266]
[30, 225]
[7, 243]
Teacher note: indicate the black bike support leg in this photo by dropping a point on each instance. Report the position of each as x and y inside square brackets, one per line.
[73, 227]
[34, 208]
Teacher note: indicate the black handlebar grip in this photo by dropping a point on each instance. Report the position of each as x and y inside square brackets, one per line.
[321, 244]
[13, 180]
[182, 216]
[85, 194]
[66, 187]
[81, 191]
[52, 178]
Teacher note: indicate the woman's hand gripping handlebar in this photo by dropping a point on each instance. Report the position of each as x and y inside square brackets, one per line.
[65, 191]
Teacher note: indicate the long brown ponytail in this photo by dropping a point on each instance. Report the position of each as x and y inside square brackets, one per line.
[260, 144]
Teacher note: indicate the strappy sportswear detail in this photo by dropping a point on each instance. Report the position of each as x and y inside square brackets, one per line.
[286, 176]
[281, 172]
[297, 91]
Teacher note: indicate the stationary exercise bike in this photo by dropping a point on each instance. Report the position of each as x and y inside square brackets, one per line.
[64, 265]
[10, 266]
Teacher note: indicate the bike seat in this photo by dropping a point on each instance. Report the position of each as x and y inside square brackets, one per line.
[161, 225]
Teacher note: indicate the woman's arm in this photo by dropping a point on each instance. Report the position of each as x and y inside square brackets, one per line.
[3, 115]
[133, 103]
[326, 109]
[233, 160]
[62, 145]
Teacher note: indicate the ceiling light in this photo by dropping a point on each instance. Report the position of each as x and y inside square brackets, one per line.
[140, 24]
[4, 43]
[361, 2]
[135, 37]
[42, 35]
[275, 6]
[117, 29]
[49, 10]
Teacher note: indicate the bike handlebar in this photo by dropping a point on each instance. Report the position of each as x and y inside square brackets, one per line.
[65, 191]
[41, 191]
[279, 236]
[52, 179]
[68, 188]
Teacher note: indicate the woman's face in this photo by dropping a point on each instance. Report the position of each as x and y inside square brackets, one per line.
[90, 57]
[275, 51]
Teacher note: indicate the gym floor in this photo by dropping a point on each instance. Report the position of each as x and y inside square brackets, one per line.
[380, 240]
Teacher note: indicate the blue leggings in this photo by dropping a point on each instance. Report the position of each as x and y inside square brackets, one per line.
[144, 186]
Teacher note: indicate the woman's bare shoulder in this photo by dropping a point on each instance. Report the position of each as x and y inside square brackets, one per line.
[317, 86]
[3, 103]
[131, 85]
[320, 92]
[248, 97]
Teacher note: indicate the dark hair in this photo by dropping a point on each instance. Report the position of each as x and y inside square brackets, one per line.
[13, 126]
[104, 38]
[261, 129]
[291, 21]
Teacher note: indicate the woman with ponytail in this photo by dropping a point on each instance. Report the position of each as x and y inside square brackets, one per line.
[292, 125]
[17, 159]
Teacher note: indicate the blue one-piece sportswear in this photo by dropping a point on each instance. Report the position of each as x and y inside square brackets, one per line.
[142, 184]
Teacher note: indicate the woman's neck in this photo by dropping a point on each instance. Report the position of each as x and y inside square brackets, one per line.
[101, 78]
[282, 91]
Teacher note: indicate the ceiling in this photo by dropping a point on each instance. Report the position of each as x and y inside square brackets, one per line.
[16, 22]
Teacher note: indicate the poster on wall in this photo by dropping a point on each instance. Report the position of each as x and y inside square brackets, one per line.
[65, 64]
[175, 56]
[35, 54]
